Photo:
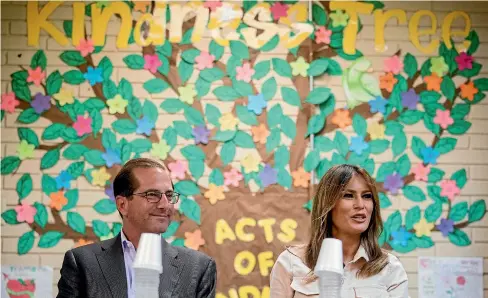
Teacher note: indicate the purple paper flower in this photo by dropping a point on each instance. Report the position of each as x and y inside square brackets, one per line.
[401, 237]
[201, 134]
[256, 103]
[268, 176]
[430, 155]
[93, 75]
[111, 157]
[109, 191]
[358, 145]
[378, 105]
[393, 183]
[63, 180]
[410, 99]
[41, 103]
[446, 226]
[144, 126]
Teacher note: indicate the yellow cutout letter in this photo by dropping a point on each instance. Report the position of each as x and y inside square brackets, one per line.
[139, 39]
[266, 262]
[37, 20]
[223, 231]
[446, 28]
[245, 291]
[227, 18]
[414, 32]
[101, 18]
[380, 20]
[181, 11]
[351, 30]
[78, 23]
[267, 225]
[288, 227]
[262, 11]
[240, 225]
[250, 262]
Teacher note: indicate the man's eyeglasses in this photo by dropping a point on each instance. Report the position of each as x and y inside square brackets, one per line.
[155, 196]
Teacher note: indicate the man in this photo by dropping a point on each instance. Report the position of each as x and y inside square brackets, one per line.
[145, 199]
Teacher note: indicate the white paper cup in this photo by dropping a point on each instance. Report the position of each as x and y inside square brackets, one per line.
[330, 257]
[149, 253]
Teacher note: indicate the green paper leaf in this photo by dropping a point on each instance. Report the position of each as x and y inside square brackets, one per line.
[261, 69]
[460, 111]
[403, 165]
[227, 152]
[28, 116]
[414, 193]
[94, 104]
[459, 238]
[50, 239]
[54, 82]
[411, 117]
[185, 70]
[193, 152]
[124, 126]
[448, 88]
[271, 44]
[48, 184]
[100, 228]
[273, 139]
[445, 145]
[150, 111]
[197, 168]
[10, 217]
[105, 206]
[410, 65]
[423, 242]
[76, 169]
[341, 142]
[243, 88]
[107, 68]
[318, 67]
[459, 127]
[475, 42]
[355, 56]
[378, 146]
[26, 241]
[183, 129]
[469, 73]
[315, 124]
[434, 193]
[155, 86]
[323, 144]
[412, 217]
[318, 95]
[76, 222]
[53, 131]
[29, 135]
[109, 89]
[216, 50]
[171, 230]
[311, 161]
[333, 68]
[232, 64]
[384, 200]
[244, 115]
[224, 135]
[384, 170]
[9, 164]
[282, 157]
[191, 209]
[429, 97]
[187, 37]
[172, 105]
[435, 175]
[187, 188]
[125, 89]
[212, 74]
[226, 93]
[193, 116]
[74, 77]
[134, 61]
[213, 114]
[476, 211]
[417, 146]
[290, 96]
[169, 135]
[50, 159]
[41, 215]
[284, 178]
[239, 49]
[359, 124]
[458, 211]
[394, 221]
[190, 55]
[460, 178]
[141, 145]
[319, 16]
[425, 69]
[399, 144]
[38, 60]
[216, 177]
[281, 67]
[72, 58]
[481, 84]
[243, 140]
[433, 212]
[322, 168]
[202, 87]
[94, 157]
[288, 127]
[274, 116]
[72, 195]
[269, 89]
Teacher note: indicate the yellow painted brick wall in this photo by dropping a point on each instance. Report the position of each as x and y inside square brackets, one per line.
[471, 152]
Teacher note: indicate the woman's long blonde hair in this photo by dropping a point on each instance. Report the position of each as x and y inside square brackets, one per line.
[329, 191]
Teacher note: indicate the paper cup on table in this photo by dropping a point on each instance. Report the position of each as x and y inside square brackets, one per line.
[330, 257]
[149, 254]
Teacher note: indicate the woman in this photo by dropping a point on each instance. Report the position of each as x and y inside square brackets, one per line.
[345, 207]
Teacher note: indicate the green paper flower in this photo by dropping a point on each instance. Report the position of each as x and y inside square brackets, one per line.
[339, 18]
[439, 66]
[299, 67]
[25, 150]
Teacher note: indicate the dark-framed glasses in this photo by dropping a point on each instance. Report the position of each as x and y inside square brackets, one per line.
[155, 196]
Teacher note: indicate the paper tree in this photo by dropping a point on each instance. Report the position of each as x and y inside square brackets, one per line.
[253, 144]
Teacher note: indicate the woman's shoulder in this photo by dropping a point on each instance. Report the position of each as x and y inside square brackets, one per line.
[294, 256]
[394, 264]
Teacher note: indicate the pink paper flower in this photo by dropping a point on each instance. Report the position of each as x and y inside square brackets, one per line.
[449, 189]
[279, 10]
[204, 60]
[244, 72]
[232, 177]
[212, 5]
[322, 35]
[25, 212]
[83, 125]
[464, 61]
[178, 169]
[421, 172]
[443, 118]
[393, 64]
[152, 63]
[9, 103]
[36, 76]
[85, 47]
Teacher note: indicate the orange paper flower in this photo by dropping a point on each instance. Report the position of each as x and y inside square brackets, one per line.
[433, 82]
[83, 242]
[341, 118]
[141, 5]
[260, 133]
[300, 178]
[468, 91]
[58, 200]
[388, 81]
[194, 240]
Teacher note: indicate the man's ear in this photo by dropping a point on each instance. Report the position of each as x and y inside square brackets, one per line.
[122, 205]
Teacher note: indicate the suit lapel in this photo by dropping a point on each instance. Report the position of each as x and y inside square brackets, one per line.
[172, 268]
[111, 260]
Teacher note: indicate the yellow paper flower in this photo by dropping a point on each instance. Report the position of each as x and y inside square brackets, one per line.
[64, 96]
[228, 122]
[187, 94]
[100, 176]
[160, 150]
[194, 240]
[214, 193]
[376, 131]
[117, 105]
[423, 228]
[25, 150]
[251, 163]
[339, 18]
[299, 67]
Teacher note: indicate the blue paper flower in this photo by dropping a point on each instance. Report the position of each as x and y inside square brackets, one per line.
[93, 75]
[401, 237]
[268, 176]
[63, 180]
[256, 103]
[430, 155]
[378, 105]
[358, 145]
[144, 126]
[111, 157]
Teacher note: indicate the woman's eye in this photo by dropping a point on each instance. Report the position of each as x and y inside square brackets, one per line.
[368, 196]
[348, 195]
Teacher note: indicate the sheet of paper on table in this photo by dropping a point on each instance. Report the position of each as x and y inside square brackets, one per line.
[450, 277]
[27, 281]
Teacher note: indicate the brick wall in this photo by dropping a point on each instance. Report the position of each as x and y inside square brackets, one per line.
[470, 153]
